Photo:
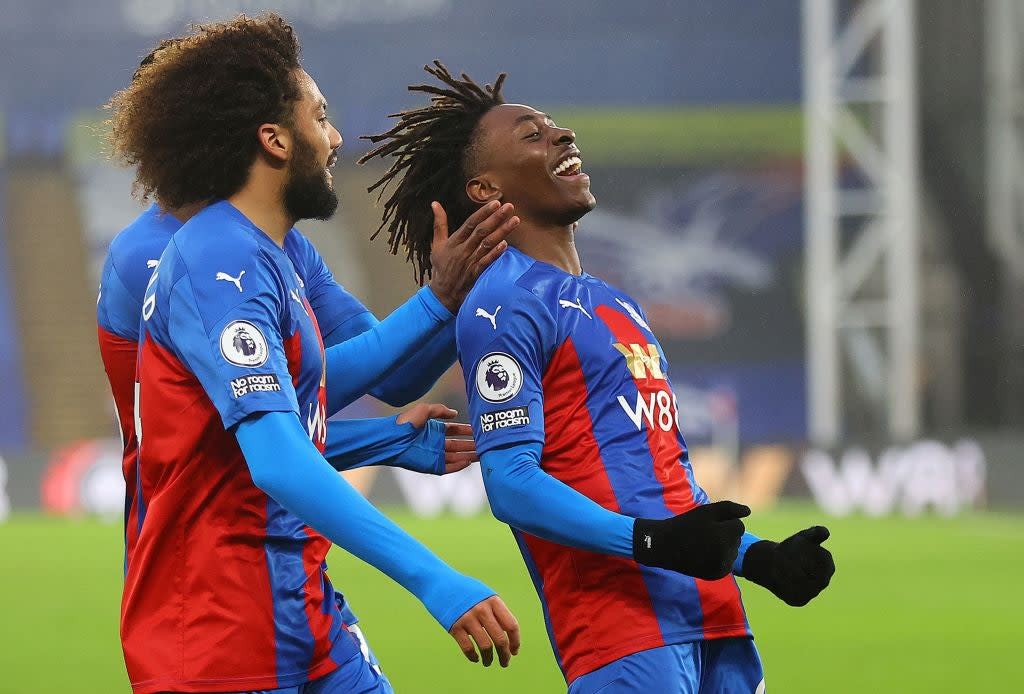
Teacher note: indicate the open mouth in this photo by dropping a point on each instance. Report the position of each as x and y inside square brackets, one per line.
[330, 165]
[570, 166]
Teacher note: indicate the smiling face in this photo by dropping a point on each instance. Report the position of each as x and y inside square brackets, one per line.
[520, 156]
[309, 190]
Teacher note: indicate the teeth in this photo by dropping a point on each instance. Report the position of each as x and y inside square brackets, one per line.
[568, 164]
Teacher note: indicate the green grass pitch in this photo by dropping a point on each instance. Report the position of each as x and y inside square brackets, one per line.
[921, 605]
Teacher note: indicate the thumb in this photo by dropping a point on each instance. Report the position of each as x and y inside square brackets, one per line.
[439, 411]
[440, 223]
[728, 510]
[815, 535]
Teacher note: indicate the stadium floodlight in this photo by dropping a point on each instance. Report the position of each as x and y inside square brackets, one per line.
[861, 211]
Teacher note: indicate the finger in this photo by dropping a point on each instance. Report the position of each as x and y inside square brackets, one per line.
[459, 445]
[457, 429]
[483, 641]
[440, 223]
[488, 242]
[473, 221]
[509, 623]
[725, 510]
[816, 534]
[498, 637]
[438, 411]
[490, 232]
[460, 457]
[465, 643]
[449, 468]
[486, 260]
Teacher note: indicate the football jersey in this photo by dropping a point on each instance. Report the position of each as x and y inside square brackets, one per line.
[571, 363]
[225, 589]
[130, 261]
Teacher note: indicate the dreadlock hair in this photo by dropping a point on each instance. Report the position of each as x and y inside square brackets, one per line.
[187, 121]
[433, 151]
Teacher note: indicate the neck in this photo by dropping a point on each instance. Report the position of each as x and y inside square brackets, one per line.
[185, 212]
[552, 244]
[261, 201]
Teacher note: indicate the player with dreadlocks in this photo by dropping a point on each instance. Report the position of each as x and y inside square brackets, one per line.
[575, 417]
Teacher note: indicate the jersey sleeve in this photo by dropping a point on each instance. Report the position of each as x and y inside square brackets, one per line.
[505, 338]
[339, 314]
[118, 311]
[233, 340]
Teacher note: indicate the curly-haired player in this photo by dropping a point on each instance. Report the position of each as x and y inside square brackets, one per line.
[575, 417]
[225, 586]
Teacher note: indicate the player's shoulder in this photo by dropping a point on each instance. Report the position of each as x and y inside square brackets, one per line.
[217, 238]
[135, 250]
[514, 279]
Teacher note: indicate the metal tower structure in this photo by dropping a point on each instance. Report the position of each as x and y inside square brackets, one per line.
[861, 212]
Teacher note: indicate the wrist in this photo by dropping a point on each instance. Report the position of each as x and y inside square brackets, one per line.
[758, 560]
[643, 540]
[444, 304]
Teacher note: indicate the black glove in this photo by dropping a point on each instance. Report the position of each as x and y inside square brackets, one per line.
[796, 569]
[703, 542]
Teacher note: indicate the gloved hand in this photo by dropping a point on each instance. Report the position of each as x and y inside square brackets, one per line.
[796, 569]
[702, 542]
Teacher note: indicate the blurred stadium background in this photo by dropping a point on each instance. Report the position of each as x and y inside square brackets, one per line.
[819, 203]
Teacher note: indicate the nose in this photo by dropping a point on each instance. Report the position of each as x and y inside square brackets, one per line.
[564, 136]
[336, 140]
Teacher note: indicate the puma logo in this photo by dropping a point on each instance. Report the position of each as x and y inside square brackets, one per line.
[152, 263]
[489, 316]
[565, 303]
[634, 314]
[237, 281]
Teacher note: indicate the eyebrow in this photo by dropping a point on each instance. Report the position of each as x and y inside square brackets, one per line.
[531, 116]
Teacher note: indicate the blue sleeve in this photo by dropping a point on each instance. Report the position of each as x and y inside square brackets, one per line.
[524, 496]
[232, 341]
[745, 542]
[360, 363]
[354, 443]
[338, 313]
[412, 379]
[341, 316]
[321, 498]
[117, 311]
[503, 362]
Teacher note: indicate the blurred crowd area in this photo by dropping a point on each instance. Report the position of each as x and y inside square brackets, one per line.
[690, 119]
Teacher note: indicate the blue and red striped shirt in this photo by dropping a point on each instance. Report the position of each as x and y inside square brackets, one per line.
[225, 590]
[570, 363]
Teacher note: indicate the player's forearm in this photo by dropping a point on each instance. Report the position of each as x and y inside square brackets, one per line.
[745, 542]
[416, 376]
[359, 364]
[308, 487]
[355, 443]
[413, 378]
[524, 496]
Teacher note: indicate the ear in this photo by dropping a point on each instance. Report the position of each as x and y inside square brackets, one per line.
[482, 189]
[275, 141]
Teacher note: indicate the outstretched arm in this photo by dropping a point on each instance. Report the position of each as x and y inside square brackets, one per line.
[701, 542]
[412, 378]
[309, 488]
[417, 439]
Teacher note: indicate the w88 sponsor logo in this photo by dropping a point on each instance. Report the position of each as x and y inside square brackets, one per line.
[657, 408]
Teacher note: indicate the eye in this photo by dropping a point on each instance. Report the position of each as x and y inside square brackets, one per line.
[321, 119]
[533, 136]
